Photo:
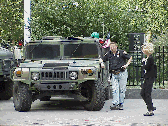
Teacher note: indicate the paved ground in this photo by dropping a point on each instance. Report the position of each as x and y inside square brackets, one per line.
[67, 113]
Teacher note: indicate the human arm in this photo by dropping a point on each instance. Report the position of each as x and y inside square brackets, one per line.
[104, 59]
[101, 62]
[126, 56]
[128, 63]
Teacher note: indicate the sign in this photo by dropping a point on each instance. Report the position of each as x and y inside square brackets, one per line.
[136, 41]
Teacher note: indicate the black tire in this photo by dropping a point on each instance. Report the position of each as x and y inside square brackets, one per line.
[6, 88]
[95, 92]
[45, 98]
[107, 93]
[22, 97]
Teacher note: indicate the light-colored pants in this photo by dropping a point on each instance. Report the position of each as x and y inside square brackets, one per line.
[118, 83]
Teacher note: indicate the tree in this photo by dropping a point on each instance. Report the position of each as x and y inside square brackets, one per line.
[82, 17]
[149, 15]
[11, 20]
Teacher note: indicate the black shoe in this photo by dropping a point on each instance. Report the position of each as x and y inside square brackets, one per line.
[149, 114]
[114, 107]
[154, 108]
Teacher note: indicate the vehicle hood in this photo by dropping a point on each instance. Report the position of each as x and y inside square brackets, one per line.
[60, 63]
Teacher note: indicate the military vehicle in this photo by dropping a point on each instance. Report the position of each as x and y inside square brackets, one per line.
[65, 67]
[6, 63]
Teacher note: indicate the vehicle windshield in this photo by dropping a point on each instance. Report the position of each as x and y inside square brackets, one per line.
[83, 50]
[42, 51]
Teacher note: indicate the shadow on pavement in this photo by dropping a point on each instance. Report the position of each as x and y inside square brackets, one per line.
[56, 105]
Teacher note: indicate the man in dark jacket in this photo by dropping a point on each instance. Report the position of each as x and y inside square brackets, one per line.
[117, 68]
[149, 76]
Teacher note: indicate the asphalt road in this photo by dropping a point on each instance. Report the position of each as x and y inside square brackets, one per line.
[67, 113]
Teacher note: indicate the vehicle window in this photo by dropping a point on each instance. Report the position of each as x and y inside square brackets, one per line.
[81, 50]
[42, 51]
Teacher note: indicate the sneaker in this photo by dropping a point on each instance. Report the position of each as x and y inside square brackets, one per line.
[120, 106]
[149, 114]
[154, 108]
[114, 107]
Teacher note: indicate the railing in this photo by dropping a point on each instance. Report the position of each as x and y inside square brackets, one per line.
[161, 60]
[135, 72]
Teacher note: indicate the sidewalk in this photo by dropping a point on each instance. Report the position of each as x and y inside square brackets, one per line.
[134, 110]
[71, 113]
[135, 107]
[135, 94]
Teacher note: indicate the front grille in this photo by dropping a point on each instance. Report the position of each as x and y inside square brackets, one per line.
[56, 75]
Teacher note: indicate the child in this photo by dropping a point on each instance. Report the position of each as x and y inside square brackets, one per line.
[149, 78]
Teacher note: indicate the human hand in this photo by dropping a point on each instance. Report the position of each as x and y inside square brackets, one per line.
[144, 59]
[124, 66]
[102, 65]
[100, 60]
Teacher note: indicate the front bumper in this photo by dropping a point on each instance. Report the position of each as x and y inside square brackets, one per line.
[55, 86]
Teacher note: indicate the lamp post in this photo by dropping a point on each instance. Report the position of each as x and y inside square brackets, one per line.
[27, 31]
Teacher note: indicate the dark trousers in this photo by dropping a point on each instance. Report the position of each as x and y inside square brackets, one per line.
[146, 92]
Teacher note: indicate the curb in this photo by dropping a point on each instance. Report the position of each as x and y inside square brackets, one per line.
[135, 94]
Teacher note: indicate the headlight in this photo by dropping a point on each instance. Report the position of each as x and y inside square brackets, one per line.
[73, 75]
[35, 76]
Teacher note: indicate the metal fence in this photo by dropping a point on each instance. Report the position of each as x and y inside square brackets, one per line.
[135, 72]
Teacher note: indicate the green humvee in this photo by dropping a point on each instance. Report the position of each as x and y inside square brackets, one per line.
[57, 66]
[6, 85]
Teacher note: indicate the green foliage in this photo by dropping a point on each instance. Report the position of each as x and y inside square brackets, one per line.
[161, 40]
[11, 26]
[120, 17]
[82, 17]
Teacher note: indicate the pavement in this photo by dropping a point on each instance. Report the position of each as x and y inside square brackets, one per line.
[71, 113]
[132, 115]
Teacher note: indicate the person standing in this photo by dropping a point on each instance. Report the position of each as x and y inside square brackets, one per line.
[149, 77]
[117, 69]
